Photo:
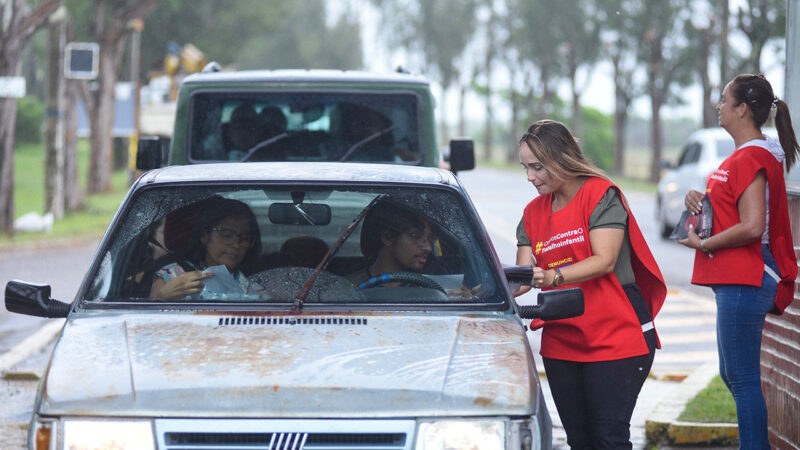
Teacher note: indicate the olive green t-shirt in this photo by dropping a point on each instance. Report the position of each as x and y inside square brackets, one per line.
[609, 213]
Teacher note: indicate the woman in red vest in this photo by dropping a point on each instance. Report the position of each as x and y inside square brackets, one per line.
[748, 260]
[580, 232]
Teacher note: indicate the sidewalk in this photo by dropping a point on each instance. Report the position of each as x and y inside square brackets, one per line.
[663, 427]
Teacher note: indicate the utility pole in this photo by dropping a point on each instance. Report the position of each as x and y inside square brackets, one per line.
[136, 45]
[54, 124]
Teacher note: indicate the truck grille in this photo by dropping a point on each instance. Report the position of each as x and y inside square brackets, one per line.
[291, 320]
[244, 434]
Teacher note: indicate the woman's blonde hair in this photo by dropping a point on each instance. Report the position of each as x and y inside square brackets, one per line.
[558, 151]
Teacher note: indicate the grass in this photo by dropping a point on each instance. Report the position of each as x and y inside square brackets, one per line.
[714, 404]
[91, 221]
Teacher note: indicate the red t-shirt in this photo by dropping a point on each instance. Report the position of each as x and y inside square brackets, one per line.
[609, 328]
[744, 264]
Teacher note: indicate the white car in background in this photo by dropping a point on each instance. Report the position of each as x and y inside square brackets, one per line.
[703, 152]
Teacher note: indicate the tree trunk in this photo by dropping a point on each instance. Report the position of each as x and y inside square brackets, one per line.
[488, 66]
[512, 154]
[655, 136]
[8, 120]
[620, 127]
[709, 116]
[723, 43]
[445, 133]
[622, 101]
[462, 121]
[16, 28]
[101, 120]
[54, 135]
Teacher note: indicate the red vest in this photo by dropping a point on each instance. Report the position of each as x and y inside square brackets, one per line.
[608, 329]
[745, 265]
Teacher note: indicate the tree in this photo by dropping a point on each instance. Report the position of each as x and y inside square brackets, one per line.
[581, 31]
[109, 28]
[760, 21]
[619, 42]
[663, 52]
[268, 35]
[439, 30]
[18, 21]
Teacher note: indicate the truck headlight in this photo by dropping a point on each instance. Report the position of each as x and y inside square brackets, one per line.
[116, 434]
[447, 434]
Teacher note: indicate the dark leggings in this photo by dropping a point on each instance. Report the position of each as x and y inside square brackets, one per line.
[595, 400]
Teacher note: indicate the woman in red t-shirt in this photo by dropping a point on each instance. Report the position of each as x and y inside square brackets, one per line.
[749, 259]
[581, 233]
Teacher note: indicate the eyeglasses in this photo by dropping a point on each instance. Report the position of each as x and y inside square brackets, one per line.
[233, 237]
[419, 237]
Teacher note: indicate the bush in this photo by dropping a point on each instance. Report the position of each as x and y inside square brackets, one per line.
[30, 117]
[598, 138]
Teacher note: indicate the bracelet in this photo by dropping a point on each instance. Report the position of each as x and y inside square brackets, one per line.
[704, 249]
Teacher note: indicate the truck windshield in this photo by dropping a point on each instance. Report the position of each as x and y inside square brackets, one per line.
[304, 126]
[261, 244]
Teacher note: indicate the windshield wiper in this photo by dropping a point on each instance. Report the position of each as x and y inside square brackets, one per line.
[300, 298]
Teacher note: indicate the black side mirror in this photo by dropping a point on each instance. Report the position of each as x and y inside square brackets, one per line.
[33, 300]
[150, 152]
[462, 155]
[554, 305]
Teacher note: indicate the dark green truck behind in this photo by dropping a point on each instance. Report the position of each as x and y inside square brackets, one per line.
[304, 115]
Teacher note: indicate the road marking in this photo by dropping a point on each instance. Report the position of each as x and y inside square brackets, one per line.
[686, 338]
[684, 357]
[31, 344]
[678, 321]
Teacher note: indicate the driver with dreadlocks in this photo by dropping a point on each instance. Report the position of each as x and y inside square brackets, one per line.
[393, 239]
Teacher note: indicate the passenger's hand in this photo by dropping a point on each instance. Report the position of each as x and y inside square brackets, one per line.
[187, 283]
[522, 290]
[694, 201]
[467, 293]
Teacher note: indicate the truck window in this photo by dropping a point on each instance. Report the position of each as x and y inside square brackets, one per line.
[304, 127]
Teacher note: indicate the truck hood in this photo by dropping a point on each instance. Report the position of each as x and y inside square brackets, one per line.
[311, 365]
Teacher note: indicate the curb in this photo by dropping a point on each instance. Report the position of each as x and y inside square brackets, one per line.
[663, 426]
[30, 345]
[43, 244]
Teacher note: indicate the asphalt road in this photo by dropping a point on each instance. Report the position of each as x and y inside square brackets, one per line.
[62, 265]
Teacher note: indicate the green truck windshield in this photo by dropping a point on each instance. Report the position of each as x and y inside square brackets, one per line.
[305, 126]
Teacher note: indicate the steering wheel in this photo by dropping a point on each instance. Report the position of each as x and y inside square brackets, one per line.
[404, 277]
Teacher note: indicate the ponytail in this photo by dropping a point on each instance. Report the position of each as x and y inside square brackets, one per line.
[783, 123]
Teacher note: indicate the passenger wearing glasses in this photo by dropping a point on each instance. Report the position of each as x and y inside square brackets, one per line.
[393, 239]
[226, 234]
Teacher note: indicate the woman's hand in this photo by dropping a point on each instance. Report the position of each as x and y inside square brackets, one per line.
[542, 277]
[694, 201]
[692, 240]
[187, 283]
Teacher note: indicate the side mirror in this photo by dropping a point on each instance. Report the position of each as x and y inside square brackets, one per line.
[150, 152]
[33, 300]
[462, 155]
[554, 305]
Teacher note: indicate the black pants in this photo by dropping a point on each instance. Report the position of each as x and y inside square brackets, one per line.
[595, 400]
